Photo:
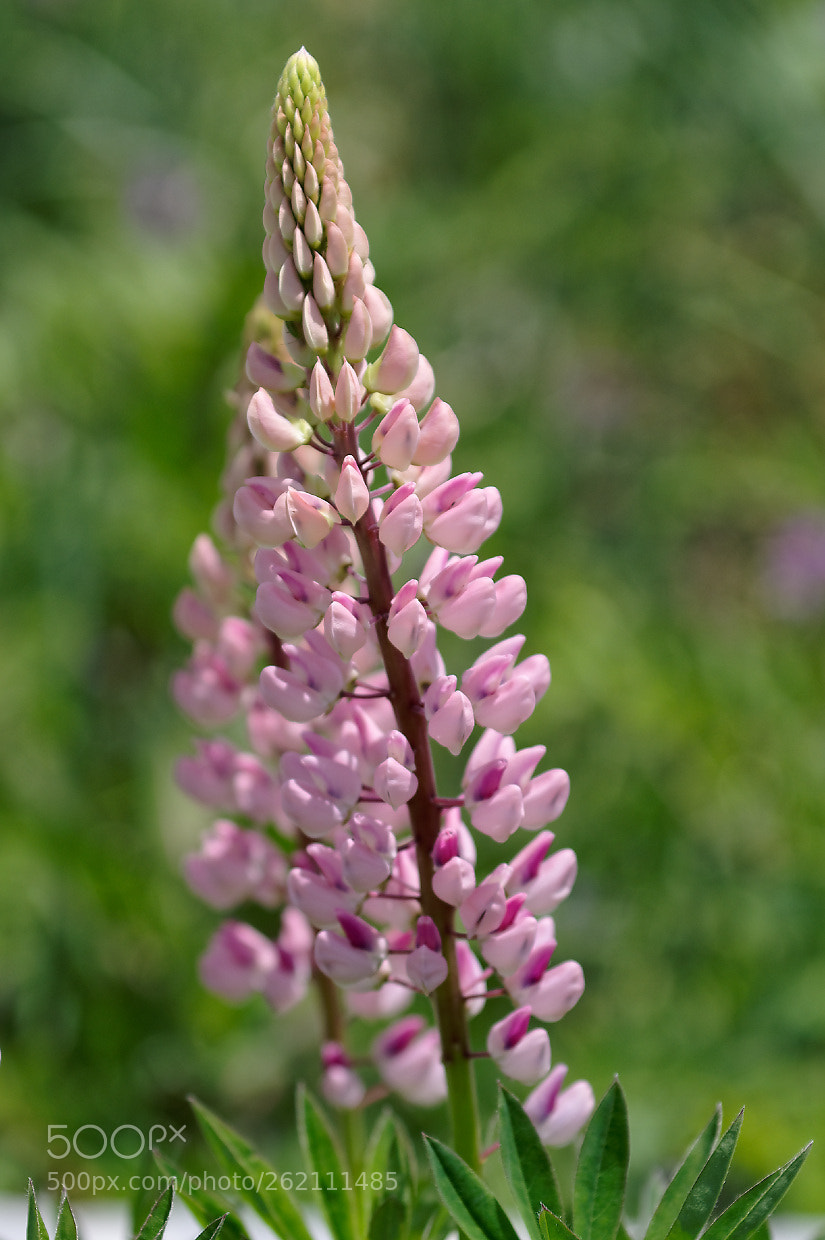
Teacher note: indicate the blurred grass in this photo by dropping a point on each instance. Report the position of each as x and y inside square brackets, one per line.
[605, 224]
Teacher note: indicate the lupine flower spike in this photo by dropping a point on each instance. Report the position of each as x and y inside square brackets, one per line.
[344, 524]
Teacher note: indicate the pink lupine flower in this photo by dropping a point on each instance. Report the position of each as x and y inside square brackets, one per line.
[309, 686]
[399, 526]
[495, 807]
[426, 966]
[483, 910]
[397, 366]
[472, 978]
[234, 865]
[321, 393]
[319, 791]
[352, 496]
[319, 893]
[520, 1053]
[437, 435]
[367, 854]
[395, 439]
[545, 883]
[502, 695]
[270, 372]
[344, 627]
[449, 714]
[408, 1057]
[349, 394]
[510, 945]
[271, 429]
[407, 626]
[206, 690]
[454, 877]
[237, 961]
[394, 779]
[420, 391]
[287, 602]
[255, 791]
[356, 958]
[208, 778]
[312, 518]
[341, 1086]
[559, 1114]
[260, 510]
[459, 517]
[193, 617]
[212, 574]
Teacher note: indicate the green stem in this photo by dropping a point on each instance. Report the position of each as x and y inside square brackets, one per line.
[425, 818]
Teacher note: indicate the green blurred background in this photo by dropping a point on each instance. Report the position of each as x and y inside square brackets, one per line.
[605, 225]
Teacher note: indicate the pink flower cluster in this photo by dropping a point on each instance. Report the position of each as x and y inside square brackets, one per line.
[315, 643]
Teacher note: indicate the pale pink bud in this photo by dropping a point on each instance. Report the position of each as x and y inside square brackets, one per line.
[272, 296]
[544, 883]
[259, 508]
[236, 961]
[399, 526]
[354, 285]
[312, 518]
[407, 627]
[354, 958]
[337, 251]
[349, 393]
[558, 991]
[438, 434]
[358, 336]
[394, 779]
[522, 1054]
[315, 329]
[343, 627]
[420, 392]
[302, 254]
[352, 496]
[468, 612]
[454, 881]
[313, 224]
[323, 285]
[379, 308]
[449, 714]
[396, 368]
[408, 1057]
[290, 603]
[560, 1114]
[290, 288]
[321, 394]
[271, 429]
[426, 966]
[396, 436]
[427, 663]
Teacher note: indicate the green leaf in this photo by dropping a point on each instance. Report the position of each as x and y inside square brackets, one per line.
[673, 1198]
[322, 1154]
[470, 1202]
[526, 1164]
[157, 1218]
[214, 1229]
[66, 1228]
[35, 1227]
[551, 1227]
[389, 1220]
[390, 1152]
[704, 1194]
[745, 1216]
[598, 1193]
[257, 1184]
[204, 1205]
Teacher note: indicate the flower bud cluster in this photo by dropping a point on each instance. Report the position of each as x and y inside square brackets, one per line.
[331, 686]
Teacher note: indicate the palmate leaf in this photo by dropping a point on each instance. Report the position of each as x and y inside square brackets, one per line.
[601, 1175]
[526, 1164]
[744, 1217]
[472, 1205]
[35, 1227]
[322, 1155]
[673, 1198]
[252, 1176]
[155, 1222]
[704, 1194]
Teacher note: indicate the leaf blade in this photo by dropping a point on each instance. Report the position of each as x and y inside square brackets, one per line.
[673, 1198]
[472, 1205]
[704, 1194]
[601, 1175]
[527, 1166]
[748, 1213]
[322, 1155]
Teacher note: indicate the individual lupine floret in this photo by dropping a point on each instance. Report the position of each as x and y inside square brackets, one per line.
[395, 780]
[559, 1114]
[520, 1052]
[426, 965]
[550, 992]
[458, 516]
[356, 958]
[400, 523]
[274, 430]
[367, 852]
[206, 690]
[408, 1057]
[395, 438]
[510, 944]
[311, 683]
[504, 695]
[545, 881]
[235, 864]
[318, 887]
[319, 790]
[288, 603]
[407, 623]
[341, 1085]
[455, 877]
[449, 714]
[237, 961]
